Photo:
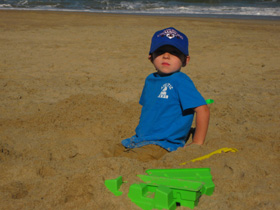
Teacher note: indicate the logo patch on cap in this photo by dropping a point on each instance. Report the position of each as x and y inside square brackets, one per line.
[170, 34]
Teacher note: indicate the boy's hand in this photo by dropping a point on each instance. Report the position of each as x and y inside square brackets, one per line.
[192, 144]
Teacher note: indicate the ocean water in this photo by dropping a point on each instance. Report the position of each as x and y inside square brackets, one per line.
[248, 9]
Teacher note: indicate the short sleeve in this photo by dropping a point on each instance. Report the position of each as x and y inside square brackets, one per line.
[142, 98]
[189, 96]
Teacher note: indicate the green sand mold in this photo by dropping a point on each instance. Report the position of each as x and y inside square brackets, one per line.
[202, 175]
[164, 188]
[172, 183]
[209, 101]
[114, 185]
[161, 197]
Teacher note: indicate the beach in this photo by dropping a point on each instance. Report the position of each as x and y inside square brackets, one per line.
[69, 90]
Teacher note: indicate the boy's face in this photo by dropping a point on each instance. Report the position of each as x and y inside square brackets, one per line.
[168, 59]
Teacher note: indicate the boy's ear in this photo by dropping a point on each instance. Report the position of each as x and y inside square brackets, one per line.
[186, 60]
[150, 58]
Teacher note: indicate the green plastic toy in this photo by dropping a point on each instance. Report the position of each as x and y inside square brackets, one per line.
[165, 188]
[209, 101]
[202, 175]
[114, 185]
[171, 182]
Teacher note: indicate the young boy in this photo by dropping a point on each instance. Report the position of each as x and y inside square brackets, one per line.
[169, 100]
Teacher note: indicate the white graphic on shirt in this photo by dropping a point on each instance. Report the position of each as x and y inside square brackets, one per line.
[164, 89]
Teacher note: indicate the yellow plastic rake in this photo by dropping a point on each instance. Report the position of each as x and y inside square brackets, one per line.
[226, 149]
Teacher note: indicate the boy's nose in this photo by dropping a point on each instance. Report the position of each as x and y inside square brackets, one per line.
[166, 55]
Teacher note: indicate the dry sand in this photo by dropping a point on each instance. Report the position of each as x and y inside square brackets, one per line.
[69, 88]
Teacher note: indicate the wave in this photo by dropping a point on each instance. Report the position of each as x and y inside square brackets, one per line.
[241, 8]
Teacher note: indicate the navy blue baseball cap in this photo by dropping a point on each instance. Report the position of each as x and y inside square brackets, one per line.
[170, 36]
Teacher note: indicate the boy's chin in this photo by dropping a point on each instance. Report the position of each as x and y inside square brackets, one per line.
[167, 73]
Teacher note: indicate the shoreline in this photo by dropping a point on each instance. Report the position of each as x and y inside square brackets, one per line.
[203, 16]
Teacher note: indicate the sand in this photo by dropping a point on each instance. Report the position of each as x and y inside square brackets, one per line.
[69, 89]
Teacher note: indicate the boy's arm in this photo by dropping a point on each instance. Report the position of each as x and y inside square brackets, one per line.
[202, 121]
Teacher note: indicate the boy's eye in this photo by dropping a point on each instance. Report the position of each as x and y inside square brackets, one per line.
[175, 53]
[160, 52]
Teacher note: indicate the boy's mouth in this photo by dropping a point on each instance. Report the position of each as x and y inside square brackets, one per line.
[165, 64]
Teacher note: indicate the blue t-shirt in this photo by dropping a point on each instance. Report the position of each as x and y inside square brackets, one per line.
[163, 121]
